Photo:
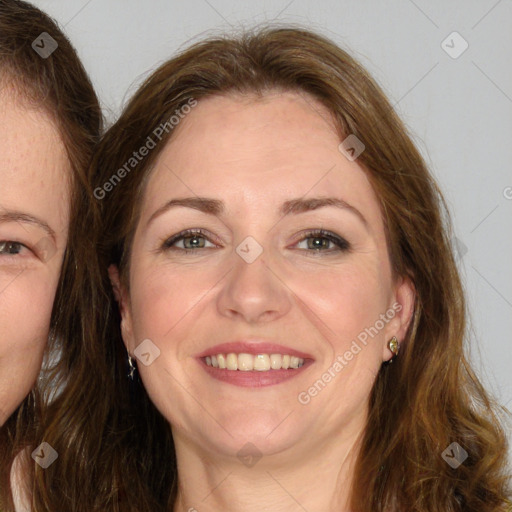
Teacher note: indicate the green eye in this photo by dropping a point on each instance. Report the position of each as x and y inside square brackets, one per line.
[320, 234]
[195, 239]
[10, 248]
[187, 235]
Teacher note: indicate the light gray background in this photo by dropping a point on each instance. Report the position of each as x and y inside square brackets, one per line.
[458, 109]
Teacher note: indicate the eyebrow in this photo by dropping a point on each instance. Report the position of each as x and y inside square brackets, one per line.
[25, 218]
[293, 206]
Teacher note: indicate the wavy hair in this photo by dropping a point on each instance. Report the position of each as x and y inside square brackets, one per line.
[116, 450]
[59, 86]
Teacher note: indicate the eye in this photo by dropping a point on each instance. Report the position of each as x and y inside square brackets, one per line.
[10, 248]
[191, 240]
[321, 239]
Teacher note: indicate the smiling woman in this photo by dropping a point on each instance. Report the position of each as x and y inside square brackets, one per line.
[285, 237]
[49, 122]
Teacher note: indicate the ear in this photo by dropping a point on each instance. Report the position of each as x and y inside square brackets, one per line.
[402, 305]
[123, 301]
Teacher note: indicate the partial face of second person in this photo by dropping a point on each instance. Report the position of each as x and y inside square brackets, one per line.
[305, 293]
[34, 215]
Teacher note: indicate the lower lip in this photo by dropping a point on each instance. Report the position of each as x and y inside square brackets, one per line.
[254, 378]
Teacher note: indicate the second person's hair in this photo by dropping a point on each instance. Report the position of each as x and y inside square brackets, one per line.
[427, 399]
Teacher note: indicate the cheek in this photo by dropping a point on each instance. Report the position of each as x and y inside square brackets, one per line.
[161, 297]
[25, 311]
[350, 302]
[347, 299]
[340, 300]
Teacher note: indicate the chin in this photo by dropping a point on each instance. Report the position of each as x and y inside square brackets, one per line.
[259, 432]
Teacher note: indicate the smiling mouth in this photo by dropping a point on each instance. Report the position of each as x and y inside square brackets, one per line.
[248, 362]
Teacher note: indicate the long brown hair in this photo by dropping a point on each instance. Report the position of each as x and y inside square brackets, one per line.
[117, 450]
[59, 86]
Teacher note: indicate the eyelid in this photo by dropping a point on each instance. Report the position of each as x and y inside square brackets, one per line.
[43, 250]
[189, 233]
[341, 244]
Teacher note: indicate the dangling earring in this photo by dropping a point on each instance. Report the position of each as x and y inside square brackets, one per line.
[393, 345]
[132, 367]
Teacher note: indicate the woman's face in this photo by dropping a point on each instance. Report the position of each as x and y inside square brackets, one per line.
[33, 231]
[254, 278]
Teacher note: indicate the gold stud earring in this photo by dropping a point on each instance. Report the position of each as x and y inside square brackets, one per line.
[393, 345]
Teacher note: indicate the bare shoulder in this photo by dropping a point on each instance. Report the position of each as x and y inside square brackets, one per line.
[19, 483]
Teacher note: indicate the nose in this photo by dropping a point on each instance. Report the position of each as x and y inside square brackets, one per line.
[254, 292]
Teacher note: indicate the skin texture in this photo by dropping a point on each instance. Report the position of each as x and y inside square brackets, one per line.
[254, 154]
[33, 181]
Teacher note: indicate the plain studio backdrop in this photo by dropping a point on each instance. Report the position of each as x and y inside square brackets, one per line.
[445, 65]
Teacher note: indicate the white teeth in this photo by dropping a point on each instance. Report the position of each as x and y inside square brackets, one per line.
[261, 362]
[276, 361]
[231, 362]
[245, 362]
[221, 360]
[248, 362]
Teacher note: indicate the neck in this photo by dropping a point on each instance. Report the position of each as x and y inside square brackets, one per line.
[310, 477]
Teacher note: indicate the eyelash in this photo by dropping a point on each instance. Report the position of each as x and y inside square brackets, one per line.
[4, 243]
[342, 245]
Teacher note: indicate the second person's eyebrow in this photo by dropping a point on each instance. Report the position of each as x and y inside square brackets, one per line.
[216, 207]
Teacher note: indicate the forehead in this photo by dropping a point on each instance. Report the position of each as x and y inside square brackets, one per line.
[257, 151]
[34, 169]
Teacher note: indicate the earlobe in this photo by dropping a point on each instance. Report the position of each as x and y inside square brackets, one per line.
[403, 306]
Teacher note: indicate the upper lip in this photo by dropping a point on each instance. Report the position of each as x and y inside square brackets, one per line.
[254, 347]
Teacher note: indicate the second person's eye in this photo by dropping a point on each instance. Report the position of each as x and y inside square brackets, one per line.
[325, 237]
[191, 240]
[194, 239]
